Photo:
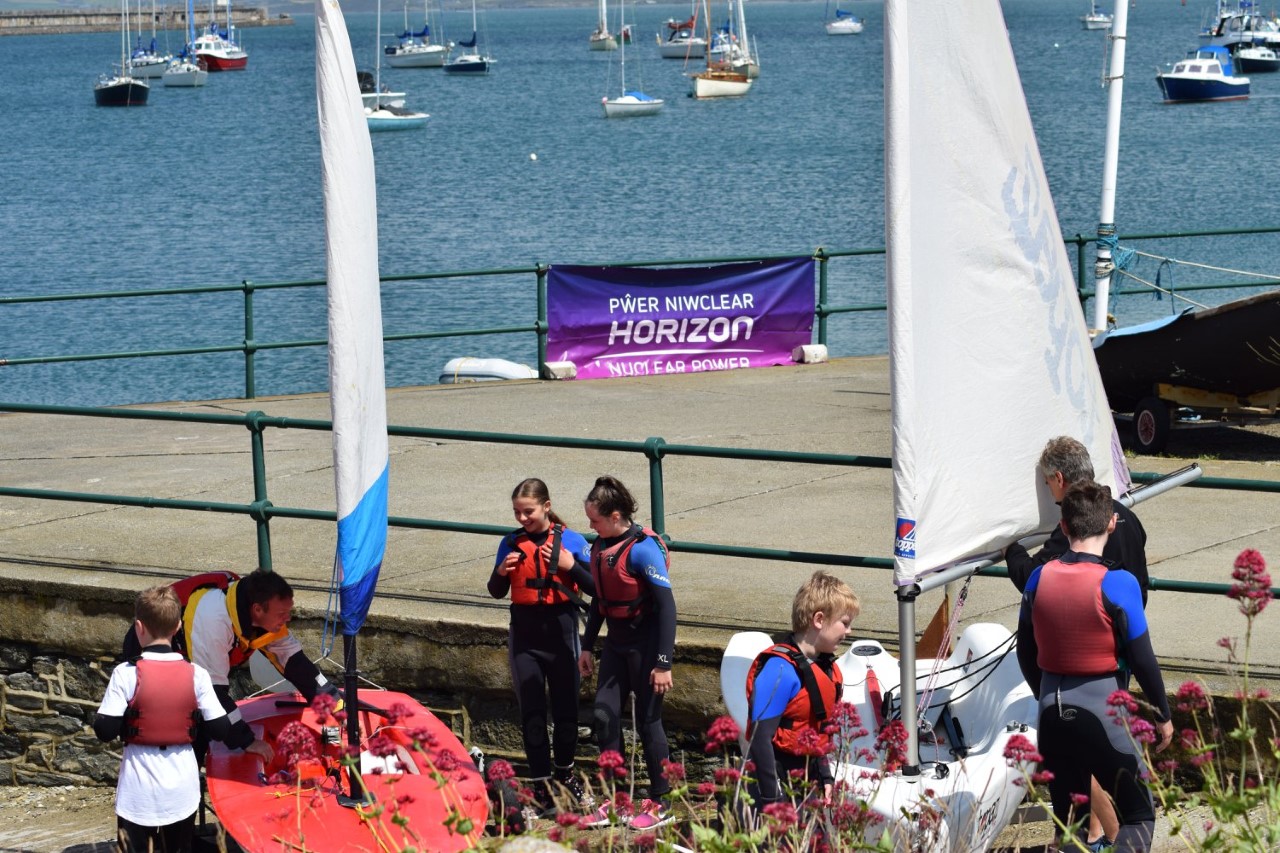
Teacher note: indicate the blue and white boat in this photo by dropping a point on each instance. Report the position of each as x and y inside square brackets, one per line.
[472, 60]
[844, 24]
[1207, 74]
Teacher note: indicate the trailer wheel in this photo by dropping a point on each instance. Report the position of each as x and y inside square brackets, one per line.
[1151, 425]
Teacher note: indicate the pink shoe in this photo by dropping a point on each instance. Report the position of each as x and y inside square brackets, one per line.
[654, 816]
[603, 816]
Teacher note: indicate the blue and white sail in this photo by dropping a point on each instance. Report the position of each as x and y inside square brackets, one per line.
[357, 387]
[990, 355]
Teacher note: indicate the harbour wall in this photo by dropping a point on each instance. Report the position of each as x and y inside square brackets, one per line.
[62, 21]
[60, 642]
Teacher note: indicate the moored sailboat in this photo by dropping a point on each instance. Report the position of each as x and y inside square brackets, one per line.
[121, 89]
[602, 39]
[630, 102]
[416, 49]
[472, 60]
[409, 782]
[187, 70]
[716, 81]
[386, 111]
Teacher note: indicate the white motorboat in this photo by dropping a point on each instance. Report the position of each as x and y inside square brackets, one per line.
[1206, 75]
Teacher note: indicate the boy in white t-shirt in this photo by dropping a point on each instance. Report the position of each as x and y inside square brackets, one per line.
[154, 703]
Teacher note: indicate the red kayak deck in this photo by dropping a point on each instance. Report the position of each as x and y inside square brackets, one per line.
[431, 782]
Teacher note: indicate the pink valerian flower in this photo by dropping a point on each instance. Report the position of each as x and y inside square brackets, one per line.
[447, 761]
[673, 771]
[707, 789]
[727, 775]
[623, 805]
[555, 834]
[812, 744]
[297, 743]
[1123, 699]
[1141, 730]
[782, 816]
[612, 764]
[499, 771]
[1043, 777]
[845, 721]
[1079, 799]
[1020, 750]
[381, 746]
[1251, 585]
[422, 736]
[723, 732]
[323, 705]
[1202, 758]
[1191, 697]
[647, 841]
[892, 741]
[397, 712]
[568, 819]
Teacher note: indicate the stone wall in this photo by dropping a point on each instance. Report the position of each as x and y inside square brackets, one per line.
[58, 645]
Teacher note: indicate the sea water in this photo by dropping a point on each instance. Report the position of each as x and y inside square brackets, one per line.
[222, 184]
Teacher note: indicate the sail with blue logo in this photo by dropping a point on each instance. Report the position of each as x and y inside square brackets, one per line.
[357, 387]
[989, 351]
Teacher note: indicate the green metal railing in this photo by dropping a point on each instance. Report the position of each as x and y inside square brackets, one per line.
[249, 346]
[261, 510]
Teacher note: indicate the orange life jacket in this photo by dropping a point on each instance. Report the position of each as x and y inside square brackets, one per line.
[822, 685]
[620, 594]
[163, 710]
[537, 580]
[192, 589]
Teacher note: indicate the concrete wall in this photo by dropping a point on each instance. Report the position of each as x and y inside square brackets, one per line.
[58, 645]
[58, 21]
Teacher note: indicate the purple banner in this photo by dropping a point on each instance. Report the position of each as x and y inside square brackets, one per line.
[629, 321]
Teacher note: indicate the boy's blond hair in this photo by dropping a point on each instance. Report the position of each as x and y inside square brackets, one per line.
[822, 593]
[159, 611]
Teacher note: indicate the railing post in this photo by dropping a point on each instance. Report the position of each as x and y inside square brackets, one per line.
[250, 346]
[542, 320]
[253, 420]
[653, 450]
[821, 308]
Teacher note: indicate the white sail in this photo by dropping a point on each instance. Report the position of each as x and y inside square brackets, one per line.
[989, 351]
[357, 387]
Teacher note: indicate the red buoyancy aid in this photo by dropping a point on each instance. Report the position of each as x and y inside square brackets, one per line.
[821, 686]
[537, 580]
[1074, 634]
[620, 594]
[163, 710]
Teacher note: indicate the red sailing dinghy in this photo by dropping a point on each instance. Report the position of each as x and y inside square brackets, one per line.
[390, 775]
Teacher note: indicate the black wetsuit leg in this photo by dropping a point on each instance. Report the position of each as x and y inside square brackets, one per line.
[625, 669]
[543, 652]
[1078, 739]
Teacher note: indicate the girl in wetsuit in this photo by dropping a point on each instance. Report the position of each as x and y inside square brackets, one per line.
[1080, 626]
[544, 566]
[633, 597]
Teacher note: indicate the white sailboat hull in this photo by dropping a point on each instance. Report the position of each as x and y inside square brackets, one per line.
[373, 100]
[628, 106]
[1097, 21]
[980, 685]
[602, 41]
[695, 48]
[844, 27]
[148, 67]
[384, 119]
[186, 75]
[719, 84]
[418, 56]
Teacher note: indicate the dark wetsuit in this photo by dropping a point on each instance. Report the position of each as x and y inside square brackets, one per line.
[633, 648]
[1126, 547]
[1080, 627]
[542, 650]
